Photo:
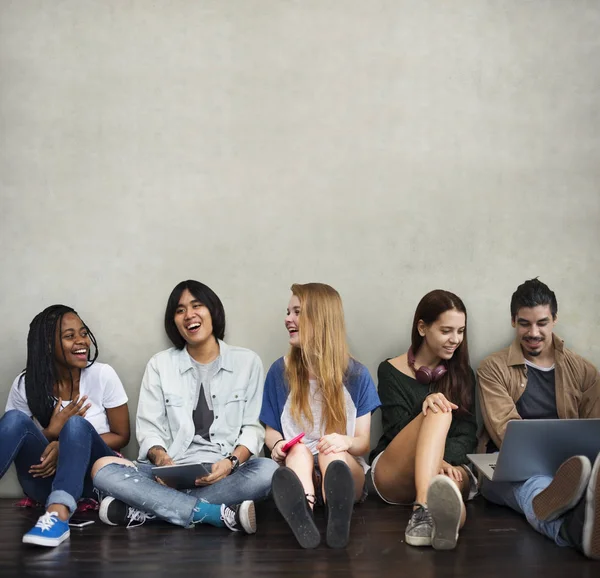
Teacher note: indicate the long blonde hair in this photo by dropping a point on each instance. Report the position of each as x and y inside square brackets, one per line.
[323, 352]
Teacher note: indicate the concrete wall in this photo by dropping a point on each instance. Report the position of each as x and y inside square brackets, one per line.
[385, 147]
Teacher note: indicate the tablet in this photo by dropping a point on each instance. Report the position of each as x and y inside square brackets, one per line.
[180, 477]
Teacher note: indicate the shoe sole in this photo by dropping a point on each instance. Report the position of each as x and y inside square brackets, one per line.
[288, 494]
[445, 505]
[247, 515]
[565, 490]
[103, 511]
[48, 542]
[591, 527]
[339, 497]
[417, 540]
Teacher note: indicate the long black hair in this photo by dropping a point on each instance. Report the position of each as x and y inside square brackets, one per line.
[207, 297]
[41, 373]
[457, 384]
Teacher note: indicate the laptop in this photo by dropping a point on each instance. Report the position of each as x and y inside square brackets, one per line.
[537, 447]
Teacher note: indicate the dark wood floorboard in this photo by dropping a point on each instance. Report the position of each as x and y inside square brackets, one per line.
[495, 543]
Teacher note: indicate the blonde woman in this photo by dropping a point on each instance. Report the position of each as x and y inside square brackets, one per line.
[318, 390]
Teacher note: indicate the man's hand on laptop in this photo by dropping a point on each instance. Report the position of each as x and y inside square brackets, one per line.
[159, 457]
[220, 470]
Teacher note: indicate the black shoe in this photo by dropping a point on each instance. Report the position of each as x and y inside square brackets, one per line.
[116, 513]
[290, 500]
[240, 518]
[339, 501]
[581, 525]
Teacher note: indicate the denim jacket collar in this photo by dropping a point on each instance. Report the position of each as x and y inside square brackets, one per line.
[225, 361]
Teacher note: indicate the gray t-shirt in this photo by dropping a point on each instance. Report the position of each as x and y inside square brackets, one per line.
[203, 414]
[539, 398]
[202, 449]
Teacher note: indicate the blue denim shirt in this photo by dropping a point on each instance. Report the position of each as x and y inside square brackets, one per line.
[168, 395]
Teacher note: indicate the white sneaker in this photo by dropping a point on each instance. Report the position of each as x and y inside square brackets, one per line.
[445, 505]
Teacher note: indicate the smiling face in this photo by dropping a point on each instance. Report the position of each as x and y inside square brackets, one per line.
[193, 320]
[534, 327]
[443, 337]
[72, 344]
[292, 321]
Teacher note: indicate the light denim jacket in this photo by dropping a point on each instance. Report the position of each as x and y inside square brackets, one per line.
[168, 395]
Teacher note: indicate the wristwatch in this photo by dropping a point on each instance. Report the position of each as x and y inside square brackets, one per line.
[235, 463]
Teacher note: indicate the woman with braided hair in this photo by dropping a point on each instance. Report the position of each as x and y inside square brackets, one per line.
[64, 411]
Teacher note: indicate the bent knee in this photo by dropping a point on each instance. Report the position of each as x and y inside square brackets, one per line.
[440, 416]
[326, 459]
[15, 418]
[76, 422]
[299, 451]
[99, 464]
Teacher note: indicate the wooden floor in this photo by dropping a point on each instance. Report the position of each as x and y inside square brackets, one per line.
[495, 542]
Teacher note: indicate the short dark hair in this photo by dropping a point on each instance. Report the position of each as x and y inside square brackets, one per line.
[531, 294]
[207, 297]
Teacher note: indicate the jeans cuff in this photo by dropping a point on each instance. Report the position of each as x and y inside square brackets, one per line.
[560, 541]
[63, 498]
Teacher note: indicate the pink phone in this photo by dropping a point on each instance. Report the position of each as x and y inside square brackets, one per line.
[292, 442]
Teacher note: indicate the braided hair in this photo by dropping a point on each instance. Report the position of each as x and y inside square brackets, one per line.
[41, 372]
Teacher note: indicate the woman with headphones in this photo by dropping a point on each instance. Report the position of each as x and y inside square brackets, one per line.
[429, 425]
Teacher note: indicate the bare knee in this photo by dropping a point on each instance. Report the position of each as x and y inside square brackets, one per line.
[99, 464]
[326, 459]
[298, 452]
[444, 417]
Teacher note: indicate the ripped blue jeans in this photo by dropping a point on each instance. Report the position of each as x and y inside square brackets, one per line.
[137, 488]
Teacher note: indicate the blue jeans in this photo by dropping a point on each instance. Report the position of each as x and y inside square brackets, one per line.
[136, 487]
[79, 444]
[519, 497]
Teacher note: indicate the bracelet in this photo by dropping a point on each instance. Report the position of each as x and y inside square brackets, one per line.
[281, 440]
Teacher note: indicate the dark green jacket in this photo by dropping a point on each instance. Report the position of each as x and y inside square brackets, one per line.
[402, 399]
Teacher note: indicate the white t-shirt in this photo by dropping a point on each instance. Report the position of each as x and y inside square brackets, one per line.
[99, 382]
[312, 435]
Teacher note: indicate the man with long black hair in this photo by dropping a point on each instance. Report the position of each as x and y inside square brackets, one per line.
[199, 404]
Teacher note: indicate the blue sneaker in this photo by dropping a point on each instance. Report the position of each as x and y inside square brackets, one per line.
[50, 530]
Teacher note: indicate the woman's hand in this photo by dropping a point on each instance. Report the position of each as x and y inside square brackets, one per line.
[454, 473]
[48, 461]
[60, 415]
[277, 454]
[436, 402]
[334, 444]
[220, 470]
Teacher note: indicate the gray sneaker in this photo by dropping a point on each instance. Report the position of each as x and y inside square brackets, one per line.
[420, 527]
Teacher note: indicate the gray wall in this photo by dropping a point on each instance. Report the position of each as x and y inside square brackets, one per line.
[386, 148]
